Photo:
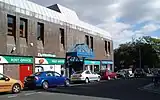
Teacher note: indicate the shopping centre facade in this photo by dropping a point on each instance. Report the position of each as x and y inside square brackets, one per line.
[32, 35]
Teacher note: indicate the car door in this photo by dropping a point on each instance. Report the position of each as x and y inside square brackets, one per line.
[109, 73]
[50, 78]
[4, 85]
[89, 75]
[94, 75]
[59, 79]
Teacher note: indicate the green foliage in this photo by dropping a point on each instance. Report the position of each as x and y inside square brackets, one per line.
[146, 48]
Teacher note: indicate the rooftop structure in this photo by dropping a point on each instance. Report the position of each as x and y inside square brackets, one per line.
[62, 15]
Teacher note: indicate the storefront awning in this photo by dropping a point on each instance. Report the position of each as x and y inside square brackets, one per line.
[81, 50]
[106, 62]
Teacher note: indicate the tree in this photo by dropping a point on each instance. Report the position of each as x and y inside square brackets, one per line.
[144, 51]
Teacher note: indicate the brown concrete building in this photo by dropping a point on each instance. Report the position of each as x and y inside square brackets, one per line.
[28, 29]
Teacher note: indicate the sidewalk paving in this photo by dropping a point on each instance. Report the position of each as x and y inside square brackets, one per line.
[151, 88]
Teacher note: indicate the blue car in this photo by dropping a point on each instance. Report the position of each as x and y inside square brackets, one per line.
[45, 80]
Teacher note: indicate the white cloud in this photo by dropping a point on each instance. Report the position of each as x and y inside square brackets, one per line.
[104, 14]
[149, 28]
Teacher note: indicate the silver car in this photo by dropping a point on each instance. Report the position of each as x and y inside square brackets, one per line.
[86, 76]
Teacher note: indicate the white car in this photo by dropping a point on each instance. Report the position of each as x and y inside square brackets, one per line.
[85, 76]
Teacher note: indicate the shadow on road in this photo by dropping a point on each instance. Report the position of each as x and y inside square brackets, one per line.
[116, 89]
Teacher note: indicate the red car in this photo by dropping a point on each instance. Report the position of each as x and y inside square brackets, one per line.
[107, 75]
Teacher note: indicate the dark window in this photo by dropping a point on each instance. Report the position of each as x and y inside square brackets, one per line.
[38, 74]
[49, 74]
[87, 72]
[62, 36]
[11, 25]
[56, 74]
[23, 28]
[91, 39]
[87, 39]
[96, 68]
[40, 31]
[109, 47]
[2, 77]
[106, 47]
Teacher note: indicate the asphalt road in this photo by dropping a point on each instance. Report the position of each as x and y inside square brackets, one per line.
[106, 90]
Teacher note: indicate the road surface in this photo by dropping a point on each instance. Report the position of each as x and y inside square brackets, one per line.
[105, 90]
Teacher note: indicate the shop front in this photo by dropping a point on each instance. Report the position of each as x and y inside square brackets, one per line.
[49, 64]
[17, 67]
[75, 58]
[92, 65]
[107, 65]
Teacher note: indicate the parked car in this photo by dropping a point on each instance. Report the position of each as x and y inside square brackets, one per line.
[139, 72]
[108, 75]
[45, 80]
[85, 76]
[7, 84]
[156, 77]
[125, 73]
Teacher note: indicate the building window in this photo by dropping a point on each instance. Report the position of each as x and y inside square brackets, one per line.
[23, 28]
[62, 37]
[106, 47]
[87, 39]
[109, 47]
[40, 31]
[11, 25]
[91, 40]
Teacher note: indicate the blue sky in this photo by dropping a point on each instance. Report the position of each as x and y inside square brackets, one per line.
[123, 19]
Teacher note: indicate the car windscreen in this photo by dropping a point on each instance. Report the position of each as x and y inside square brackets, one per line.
[37, 74]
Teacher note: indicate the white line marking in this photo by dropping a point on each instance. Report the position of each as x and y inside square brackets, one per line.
[39, 92]
[32, 93]
[12, 96]
[29, 93]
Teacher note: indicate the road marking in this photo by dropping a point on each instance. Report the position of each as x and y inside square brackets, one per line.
[26, 94]
[32, 93]
[12, 96]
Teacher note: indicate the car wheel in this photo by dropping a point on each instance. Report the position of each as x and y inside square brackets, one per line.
[16, 88]
[86, 80]
[108, 78]
[67, 83]
[45, 85]
[99, 78]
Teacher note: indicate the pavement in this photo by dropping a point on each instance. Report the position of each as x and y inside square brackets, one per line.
[105, 90]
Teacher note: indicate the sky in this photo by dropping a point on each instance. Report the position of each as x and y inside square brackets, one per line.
[123, 19]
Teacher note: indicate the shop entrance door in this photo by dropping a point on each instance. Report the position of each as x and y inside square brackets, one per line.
[24, 70]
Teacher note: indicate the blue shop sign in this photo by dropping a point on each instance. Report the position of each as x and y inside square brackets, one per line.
[107, 62]
[91, 62]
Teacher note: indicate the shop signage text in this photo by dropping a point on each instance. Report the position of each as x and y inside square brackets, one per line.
[50, 61]
[46, 55]
[16, 59]
[107, 62]
[88, 62]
